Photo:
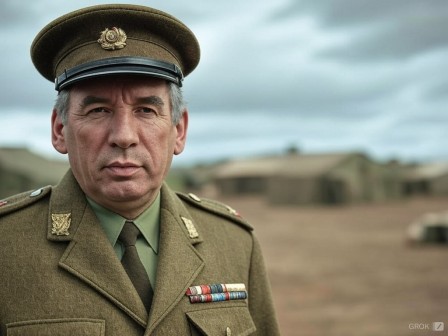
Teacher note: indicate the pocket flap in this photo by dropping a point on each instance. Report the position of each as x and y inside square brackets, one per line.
[57, 327]
[218, 321]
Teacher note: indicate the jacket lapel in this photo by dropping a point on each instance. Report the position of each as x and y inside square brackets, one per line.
[89, 255]
[179, 262]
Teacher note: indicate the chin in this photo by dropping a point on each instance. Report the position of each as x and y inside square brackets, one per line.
[128, 193]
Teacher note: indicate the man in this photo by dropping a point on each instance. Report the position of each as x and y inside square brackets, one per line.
[111, 250]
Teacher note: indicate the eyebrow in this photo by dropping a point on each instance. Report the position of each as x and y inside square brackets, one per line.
[151, 100]
[90, 100]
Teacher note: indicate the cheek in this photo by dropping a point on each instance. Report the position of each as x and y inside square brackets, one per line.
[160, 151]
[82, 148]
[159, 141]
[85, 138]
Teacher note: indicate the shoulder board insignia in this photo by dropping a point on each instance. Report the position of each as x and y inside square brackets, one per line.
[216, 208]
[22, 200]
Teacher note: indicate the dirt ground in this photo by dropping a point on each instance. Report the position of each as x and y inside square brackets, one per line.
[349, 270]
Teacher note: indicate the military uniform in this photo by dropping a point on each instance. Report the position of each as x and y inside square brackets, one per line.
[60, 273]
[72, 282]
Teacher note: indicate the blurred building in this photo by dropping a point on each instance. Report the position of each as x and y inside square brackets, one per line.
[427, 179]
[296, 178]
[293, 178]
[22, 170]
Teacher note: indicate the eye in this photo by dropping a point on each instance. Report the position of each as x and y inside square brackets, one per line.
[98, 110]
[147, 111]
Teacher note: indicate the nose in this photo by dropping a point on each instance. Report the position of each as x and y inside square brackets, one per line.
[123, 131]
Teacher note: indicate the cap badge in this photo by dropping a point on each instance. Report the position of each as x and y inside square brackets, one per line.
[60, 224]
[111, 39]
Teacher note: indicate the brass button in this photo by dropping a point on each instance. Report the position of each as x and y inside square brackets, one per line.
[194, 197]
[36, 192]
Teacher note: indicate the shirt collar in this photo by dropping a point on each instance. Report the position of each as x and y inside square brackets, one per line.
[148, 222]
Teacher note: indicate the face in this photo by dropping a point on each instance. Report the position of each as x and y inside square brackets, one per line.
[120, 140]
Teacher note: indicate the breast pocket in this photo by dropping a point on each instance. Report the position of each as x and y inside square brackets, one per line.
[231, 321]
[57, 327]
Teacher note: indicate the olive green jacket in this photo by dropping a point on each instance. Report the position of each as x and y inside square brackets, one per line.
[57, 279]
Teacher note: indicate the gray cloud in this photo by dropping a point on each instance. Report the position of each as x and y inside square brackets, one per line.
[377, 30]
[13, 13]
[395, 41]
[352, 13]
[438, 90]
[324, 74]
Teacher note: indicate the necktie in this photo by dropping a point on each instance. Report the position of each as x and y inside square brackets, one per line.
[133, 265]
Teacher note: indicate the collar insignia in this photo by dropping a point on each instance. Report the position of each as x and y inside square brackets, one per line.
[60, 224]
[192, 232]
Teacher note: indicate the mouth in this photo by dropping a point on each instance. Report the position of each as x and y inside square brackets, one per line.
[122, 169]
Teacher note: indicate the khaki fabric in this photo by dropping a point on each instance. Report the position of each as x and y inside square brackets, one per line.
[74, 284]
[75, 39]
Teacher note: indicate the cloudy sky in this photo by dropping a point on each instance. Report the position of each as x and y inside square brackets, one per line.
[322, 75]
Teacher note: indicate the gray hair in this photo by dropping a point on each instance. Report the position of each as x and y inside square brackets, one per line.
[176, 99]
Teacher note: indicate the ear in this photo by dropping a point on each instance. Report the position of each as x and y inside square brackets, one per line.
[181, 131]
[57, 133]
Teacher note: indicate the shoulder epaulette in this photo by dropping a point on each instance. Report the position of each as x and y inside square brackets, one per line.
[22, 200]
[216, 208]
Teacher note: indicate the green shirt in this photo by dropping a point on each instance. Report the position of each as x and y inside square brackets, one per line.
[148, 223]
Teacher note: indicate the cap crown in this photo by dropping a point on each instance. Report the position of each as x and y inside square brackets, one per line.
[105, 33]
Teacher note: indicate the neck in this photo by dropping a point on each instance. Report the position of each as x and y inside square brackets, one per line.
[129, 209]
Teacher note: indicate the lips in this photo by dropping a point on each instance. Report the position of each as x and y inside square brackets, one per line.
[122, 168]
